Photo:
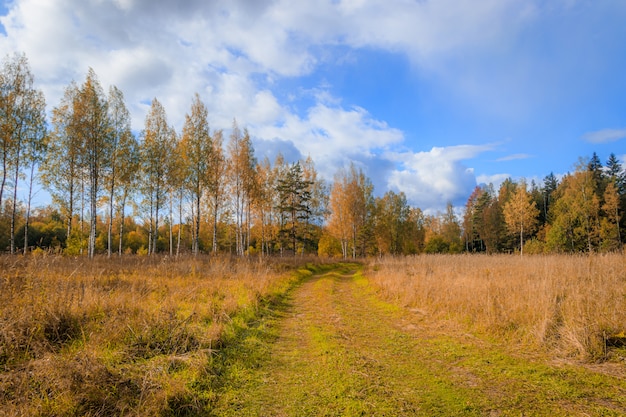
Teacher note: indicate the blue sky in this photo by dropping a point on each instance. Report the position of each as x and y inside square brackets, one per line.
[428, 97]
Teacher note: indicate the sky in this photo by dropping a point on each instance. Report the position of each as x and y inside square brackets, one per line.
[427, 97]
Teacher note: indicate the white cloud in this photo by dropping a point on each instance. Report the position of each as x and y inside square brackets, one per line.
[605, 135]
[333, 136]
[431, 179]
[496, 179]
[177, 48]
[231, 51]
[514, 157]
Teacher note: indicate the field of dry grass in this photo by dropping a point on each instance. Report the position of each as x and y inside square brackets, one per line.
[107, 337]
[138, 335]
[569, 306]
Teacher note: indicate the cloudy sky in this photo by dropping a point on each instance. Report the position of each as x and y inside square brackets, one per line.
[429, 97]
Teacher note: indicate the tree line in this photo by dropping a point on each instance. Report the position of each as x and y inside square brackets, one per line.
[200, 190]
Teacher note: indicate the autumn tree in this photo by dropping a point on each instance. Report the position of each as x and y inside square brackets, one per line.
[22, 125]
[123, 164]
[483, 221]
[198, 153]
[91, 125]
[318, 203]
[391, 222]
[218, 166]
[520, 213]
[610, 225]
[350, 210]
[339, 216]
[470, 232]
[266, 202]
[34, 154]
[442, 232]
[61, 167]
[155, 150]
[242, 181]
[574, 214]
[128, 165]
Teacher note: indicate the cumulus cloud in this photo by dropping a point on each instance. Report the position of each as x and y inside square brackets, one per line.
[431, 179]
[231, 52]
[496, 179]
[333, 136]
[605, 135]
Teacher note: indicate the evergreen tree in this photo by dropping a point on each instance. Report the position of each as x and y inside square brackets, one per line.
[294, 203]
[616, 173]
[595, 167]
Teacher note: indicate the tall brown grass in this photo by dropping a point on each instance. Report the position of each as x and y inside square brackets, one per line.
[572, 306]
[111, 337]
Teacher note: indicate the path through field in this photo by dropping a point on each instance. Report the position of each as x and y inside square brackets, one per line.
[338, 350]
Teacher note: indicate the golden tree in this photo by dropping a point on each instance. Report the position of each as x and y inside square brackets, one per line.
[198, 153]
[242, 182]
[22, 125]
[520, 213]
[350, 209]
[155, 151]
[123, 161]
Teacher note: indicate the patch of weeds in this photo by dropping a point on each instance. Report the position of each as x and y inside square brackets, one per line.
[62, 328]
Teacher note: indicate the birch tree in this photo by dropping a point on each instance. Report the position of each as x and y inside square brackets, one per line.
[61, 166]
[197, 148]
[154, 152]
[350, 209]
[216, 182]
[122, 150]
[241, 176]
[22, 124]
[91, 125]
[520, 213]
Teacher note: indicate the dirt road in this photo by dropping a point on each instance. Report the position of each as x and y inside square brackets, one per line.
[336, 349]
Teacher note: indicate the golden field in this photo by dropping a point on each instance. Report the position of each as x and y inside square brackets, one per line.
[131, 336]
[568, 305]
[141, 336]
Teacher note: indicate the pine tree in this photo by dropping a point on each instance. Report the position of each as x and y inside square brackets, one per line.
[616, 173]
[294, 203]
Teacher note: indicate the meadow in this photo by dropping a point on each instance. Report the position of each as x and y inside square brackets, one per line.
[566, 306]
[151, 335]
[129, 336]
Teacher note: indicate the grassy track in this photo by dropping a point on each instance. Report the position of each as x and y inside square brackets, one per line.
[335, 349]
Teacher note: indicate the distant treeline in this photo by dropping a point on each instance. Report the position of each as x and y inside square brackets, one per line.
[188, 191]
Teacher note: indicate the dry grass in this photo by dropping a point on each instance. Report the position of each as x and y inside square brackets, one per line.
[571, 306]
[113, 337]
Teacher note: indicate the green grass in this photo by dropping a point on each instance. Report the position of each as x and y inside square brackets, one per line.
[335, 349]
